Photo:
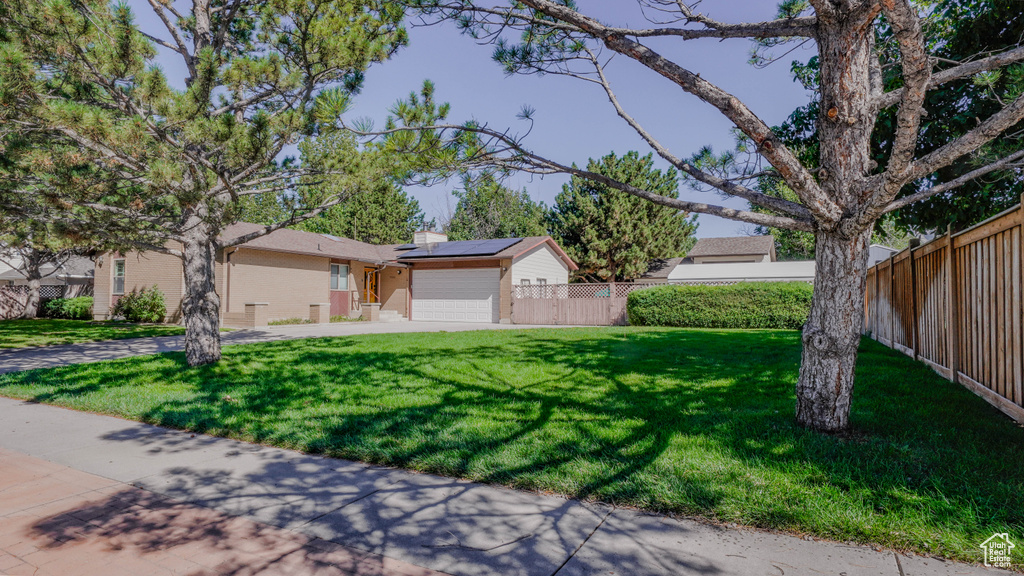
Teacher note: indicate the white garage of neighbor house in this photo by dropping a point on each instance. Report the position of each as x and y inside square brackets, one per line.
[472, 280]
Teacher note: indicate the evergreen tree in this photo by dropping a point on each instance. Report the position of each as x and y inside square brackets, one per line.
[613, 235]
[383, 214]
[177, 155]
[487, 209]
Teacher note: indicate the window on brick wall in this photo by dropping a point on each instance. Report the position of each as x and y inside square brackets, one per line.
[118, 276]
[339, 277]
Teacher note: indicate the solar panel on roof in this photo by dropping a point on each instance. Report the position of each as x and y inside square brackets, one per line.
[462, 248]
[405, 247]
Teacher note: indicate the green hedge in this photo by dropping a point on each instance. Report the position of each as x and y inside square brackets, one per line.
[70, 308]
[742, 305]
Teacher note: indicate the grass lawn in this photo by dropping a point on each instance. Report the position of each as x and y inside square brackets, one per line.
[47, 332]
[697, 422]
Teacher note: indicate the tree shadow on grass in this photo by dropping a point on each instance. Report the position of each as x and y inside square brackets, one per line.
[693, 422]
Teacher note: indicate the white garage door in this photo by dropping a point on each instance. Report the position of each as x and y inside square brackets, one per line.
[456, 295]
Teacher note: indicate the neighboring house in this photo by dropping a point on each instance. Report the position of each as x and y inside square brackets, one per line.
[77, 271]
[281, 275]
[6, 267]
[799, 271]
[729, 260]
[877, 253]
[736, 249]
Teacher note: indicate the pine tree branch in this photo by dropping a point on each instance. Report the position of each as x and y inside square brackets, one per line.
[916, 66]
[158, 8]
[824, 209]
[782, 28]
[992, 127]
[960, 72]
[523, 160]
[1007, 162]
[728, 187]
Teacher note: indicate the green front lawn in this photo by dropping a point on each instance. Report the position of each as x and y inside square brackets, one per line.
[696, 422]
[47, 332]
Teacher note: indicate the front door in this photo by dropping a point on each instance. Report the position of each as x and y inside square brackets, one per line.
[371, 294]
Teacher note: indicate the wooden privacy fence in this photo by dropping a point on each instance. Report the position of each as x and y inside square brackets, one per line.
[581, 304]
[955, 303]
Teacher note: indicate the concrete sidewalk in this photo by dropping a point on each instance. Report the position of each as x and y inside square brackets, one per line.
[58, 521]
[452, 526]
[18, 359]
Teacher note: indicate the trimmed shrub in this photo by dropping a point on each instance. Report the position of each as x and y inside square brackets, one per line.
[146, 305]
[69, 308]
[289, 321]
[742, 305]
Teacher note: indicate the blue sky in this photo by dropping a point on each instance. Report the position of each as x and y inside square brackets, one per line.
[574, 120]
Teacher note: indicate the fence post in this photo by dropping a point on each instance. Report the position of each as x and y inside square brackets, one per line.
[876, 325]
[611, 299]
[952, 309]
[1020, 327]
[892, 300]
[914, 329]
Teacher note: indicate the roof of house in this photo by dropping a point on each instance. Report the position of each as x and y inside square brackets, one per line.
[505, 248]
[661, 268]
[326, 245]
[735, 246]
[311, 244]
[74, 267]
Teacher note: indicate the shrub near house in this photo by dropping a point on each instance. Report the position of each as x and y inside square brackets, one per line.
[69, 308]
[742, 305]
[145, 305]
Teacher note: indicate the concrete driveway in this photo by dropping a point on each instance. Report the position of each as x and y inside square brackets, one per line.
[18, 359]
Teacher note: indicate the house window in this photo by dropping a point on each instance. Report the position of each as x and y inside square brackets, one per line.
[524, 282]
[118, 276]
[542, 281]
[339, 277]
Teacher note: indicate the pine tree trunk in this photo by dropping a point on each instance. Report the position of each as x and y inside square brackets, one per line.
[32, 305]
[201, 305]
[34, 276]
[832, 332]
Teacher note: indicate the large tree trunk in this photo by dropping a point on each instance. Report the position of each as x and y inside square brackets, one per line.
[32, 304]
[832, 333]
[201, 305]
[34, 276]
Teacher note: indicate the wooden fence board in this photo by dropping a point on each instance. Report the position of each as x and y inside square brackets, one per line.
[957, 304]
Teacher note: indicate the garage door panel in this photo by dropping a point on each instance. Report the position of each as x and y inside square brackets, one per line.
[468, 295]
